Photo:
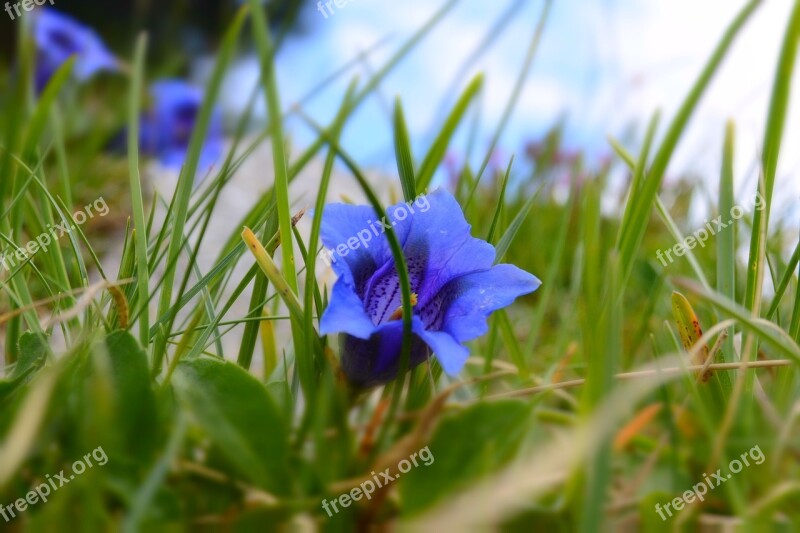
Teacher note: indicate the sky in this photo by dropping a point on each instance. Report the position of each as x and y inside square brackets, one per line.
[603, 66]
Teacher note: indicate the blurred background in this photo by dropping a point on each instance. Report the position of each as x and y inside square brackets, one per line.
[603, 67]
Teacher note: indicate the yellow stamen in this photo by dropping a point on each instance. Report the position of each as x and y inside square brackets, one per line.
[398, 313]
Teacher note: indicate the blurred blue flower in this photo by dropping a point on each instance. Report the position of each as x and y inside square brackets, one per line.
[166, 128]
[455, 283]
[58, 37]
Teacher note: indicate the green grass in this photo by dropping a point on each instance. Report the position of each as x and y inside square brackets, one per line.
[580, 409]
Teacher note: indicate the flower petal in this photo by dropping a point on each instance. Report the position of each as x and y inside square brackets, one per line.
[359, 225]
[345, 313]
[437, 246]
[439, 242]
[59, 36]
[376, 360]
[469, 300]
[167, 127]
[448, 351]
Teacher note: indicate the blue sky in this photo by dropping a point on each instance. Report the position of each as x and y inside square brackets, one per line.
[603, 65]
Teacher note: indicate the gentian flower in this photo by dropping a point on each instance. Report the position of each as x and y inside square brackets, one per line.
[58, 37]
[166, 128]
[454, 281]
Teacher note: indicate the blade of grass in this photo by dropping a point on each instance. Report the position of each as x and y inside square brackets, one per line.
[403, 153]
[768, 332]
[439, 146]
[726, 240]
[187, 177]
[634, 229]
[638, 168]
[311, 287]
[137, 202]
[266, 52]
[500, 201]
[515, 93]
[511, 232]
[773, 135]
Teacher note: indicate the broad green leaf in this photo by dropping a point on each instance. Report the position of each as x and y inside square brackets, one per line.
[135, 402]
[32, 350]
[239, 416]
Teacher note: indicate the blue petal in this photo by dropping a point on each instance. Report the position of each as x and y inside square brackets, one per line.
[345, 313]
[376, 360]
[470, 299]
[448, 351]
[99, 60]
[58, 37]
[168, 126]
[368, 250]
[439, 247]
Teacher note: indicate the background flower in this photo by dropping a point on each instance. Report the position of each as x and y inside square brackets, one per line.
[58, 37]
[451, 273]
[167, 127]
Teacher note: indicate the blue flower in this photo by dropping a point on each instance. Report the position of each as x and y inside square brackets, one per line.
[455, 283]
[166, 128]
[58, 37]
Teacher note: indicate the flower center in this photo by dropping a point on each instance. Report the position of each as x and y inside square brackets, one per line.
[398, 313]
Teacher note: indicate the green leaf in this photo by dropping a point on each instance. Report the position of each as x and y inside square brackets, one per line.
[239, 416]
[135, 401]
[39, 119]
[32, 350]
[466, 446]
[186, 182]
[266, 54]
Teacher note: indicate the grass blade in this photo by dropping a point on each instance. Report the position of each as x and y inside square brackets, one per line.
[403, 153]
